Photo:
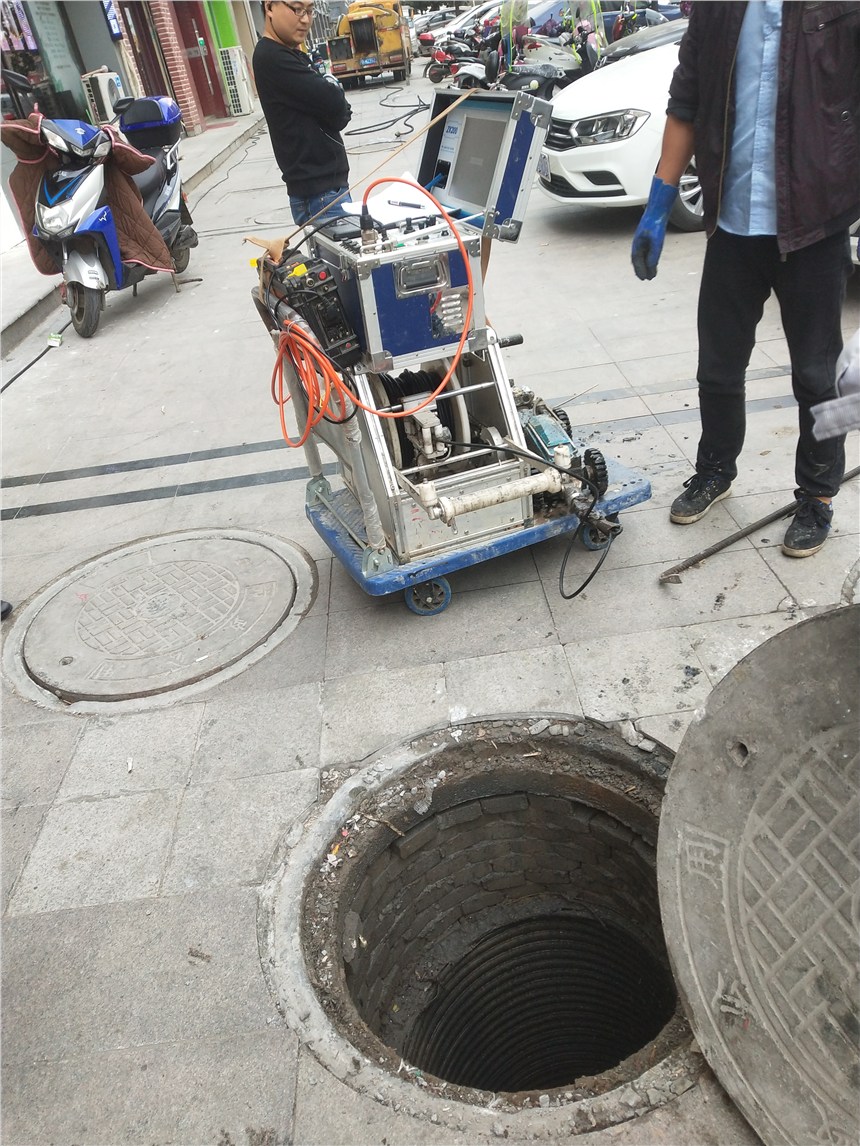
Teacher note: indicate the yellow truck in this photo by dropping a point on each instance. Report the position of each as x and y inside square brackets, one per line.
[372, 38]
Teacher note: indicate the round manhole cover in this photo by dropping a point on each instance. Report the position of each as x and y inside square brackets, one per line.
[759, 868]
[162, 615]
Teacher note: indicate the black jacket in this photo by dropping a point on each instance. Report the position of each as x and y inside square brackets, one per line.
[305, 115]
[817, 140]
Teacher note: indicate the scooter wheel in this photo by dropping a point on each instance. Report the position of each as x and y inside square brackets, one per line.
[85, 307]
[436, 73]
[429, 598]
[181, 260]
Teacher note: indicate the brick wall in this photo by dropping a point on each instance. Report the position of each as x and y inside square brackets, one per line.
[170, 40]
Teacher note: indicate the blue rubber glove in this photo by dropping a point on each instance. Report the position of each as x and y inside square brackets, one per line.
[648, 240]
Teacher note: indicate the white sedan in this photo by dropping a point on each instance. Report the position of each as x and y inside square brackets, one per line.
[605, 135]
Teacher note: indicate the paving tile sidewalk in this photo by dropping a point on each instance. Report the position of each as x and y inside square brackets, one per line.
[135, 1008]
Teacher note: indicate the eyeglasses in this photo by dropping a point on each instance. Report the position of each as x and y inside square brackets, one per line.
[301, 11]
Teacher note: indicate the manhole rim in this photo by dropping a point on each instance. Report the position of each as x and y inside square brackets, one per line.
[295, 557]
[282, 956]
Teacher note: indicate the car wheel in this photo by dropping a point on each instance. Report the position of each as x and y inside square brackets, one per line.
[688, 212]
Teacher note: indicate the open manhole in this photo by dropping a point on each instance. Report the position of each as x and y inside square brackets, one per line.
[158, 619]
[480, 926]
[485, 927]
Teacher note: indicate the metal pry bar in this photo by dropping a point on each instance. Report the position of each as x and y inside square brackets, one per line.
[673, 576]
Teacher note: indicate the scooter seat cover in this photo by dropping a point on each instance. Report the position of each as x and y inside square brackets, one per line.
[139, 238]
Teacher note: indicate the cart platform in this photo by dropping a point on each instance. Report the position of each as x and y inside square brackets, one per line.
[340, 524]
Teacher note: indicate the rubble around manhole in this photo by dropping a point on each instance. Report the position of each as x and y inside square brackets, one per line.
[383, 801]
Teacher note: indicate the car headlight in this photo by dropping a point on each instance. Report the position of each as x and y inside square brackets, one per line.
[54, 220]
[607, 128]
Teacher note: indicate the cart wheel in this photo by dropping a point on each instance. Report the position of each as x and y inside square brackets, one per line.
[595, 539]
[428, 598]
[592, 538]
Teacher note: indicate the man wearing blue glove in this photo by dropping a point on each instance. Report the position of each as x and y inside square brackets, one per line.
[767, 97]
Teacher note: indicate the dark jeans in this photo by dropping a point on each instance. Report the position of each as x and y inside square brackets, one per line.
[737, 278]
[305, 209]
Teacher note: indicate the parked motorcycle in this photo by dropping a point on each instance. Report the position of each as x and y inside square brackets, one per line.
[85, 211]
[540, 80]
[559, 51]
[576, 52]
[447, 58]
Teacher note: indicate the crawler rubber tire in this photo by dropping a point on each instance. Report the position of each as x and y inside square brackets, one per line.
[85, 308]
[429, 598]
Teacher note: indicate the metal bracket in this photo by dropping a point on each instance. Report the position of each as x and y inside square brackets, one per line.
[376, 561]
[317, 491]
[366, 267]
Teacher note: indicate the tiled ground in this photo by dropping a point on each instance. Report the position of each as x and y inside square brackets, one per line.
[134, 1004]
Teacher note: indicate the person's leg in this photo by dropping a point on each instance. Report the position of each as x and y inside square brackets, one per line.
[322, 208]
[810, 286]
[735, 286]
[736, 283]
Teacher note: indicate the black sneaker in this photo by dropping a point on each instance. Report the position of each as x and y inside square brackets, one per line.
[809, 527]
[700, 493]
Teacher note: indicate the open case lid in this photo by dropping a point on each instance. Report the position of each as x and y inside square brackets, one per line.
[759, 874]
[480, 160]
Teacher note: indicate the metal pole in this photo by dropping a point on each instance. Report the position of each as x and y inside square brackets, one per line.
[672, 576]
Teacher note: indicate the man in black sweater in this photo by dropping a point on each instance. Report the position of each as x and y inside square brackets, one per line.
[305, 114]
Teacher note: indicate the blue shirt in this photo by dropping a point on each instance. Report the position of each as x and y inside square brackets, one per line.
[748, 205]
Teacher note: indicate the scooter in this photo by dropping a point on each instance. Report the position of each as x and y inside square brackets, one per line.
[540, 80]
[559, 51]
[76, 226]
[447, 59]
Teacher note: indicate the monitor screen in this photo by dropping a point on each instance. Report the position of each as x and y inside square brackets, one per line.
[471, 178]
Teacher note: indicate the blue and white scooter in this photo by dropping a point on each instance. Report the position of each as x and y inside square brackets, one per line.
[74, 222]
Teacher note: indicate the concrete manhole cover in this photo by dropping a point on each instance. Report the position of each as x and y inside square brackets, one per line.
[759, 866]
[160, 617]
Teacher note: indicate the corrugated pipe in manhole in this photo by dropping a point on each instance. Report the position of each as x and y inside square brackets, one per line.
[480, 919]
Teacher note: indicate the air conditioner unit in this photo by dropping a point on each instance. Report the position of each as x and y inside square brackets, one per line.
[236, 79]
[102, 89]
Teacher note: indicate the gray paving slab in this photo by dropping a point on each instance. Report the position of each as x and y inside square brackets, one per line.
[300, 659]
[93, 851]
[719, 645]
[530, 680]
[363, 712]
[36, 757]
[500, 619]
[258, 733]
[233, 1090]
[226, 832]
[726, 585]
[20, 829]
[124, 975]
[620, 678]
[666, 729]
[140, 752]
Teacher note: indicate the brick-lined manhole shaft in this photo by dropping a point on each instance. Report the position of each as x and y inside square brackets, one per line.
[484, 926]
[160, 616]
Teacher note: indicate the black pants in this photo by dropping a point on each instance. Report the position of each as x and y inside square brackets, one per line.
[737, 278]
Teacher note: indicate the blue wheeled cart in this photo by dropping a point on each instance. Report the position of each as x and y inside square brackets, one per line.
[443, 461]
[338, 519]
